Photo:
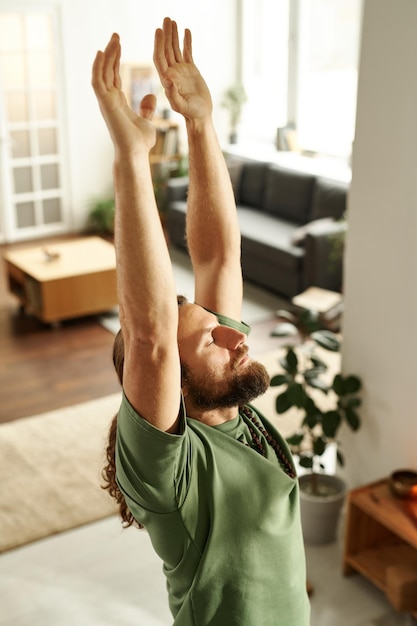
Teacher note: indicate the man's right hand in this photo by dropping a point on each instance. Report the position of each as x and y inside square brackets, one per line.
[131, 133]
[184, 86]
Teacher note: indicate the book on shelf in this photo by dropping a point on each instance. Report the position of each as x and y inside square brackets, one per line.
[170, 147]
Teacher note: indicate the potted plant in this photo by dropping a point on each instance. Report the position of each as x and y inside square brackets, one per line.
[303, 384]
[233, 99]
[101, 216]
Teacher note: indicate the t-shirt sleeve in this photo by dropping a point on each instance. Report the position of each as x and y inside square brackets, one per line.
[151, 465]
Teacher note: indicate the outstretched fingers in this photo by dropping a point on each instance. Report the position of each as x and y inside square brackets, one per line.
[111, 61]
[96, 79]
[159, 52]
[175, 43]
[116, 68]
[168, 48]
[106, 67]
[167, 51]
[188, 47]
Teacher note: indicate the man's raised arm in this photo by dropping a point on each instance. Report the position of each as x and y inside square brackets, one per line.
[212, 227]
[146, 288]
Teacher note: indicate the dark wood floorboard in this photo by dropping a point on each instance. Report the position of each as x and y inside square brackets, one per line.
[44, 368]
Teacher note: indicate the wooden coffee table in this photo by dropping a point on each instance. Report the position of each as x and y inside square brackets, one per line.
[64, 280]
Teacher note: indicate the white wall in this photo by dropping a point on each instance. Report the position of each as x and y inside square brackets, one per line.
[380, 323]
[86, 27]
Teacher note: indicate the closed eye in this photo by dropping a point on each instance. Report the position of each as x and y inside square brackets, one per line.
[210, 338]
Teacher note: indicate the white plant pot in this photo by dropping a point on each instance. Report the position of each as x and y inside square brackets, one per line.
[320, 513]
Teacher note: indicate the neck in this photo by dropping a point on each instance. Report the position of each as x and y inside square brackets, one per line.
[213, 417]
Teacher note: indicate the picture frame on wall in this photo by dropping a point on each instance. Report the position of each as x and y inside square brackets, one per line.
[137, 81]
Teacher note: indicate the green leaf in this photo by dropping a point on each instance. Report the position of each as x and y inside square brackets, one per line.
[290, 362]
[317, 383]
[311, 420]
[309, 321]
[319, 364]
[286, 315]
[319, 446]
[280, 379]
[353, 419]
[283, 403]
[340, 458]
[295, 440]
[306, 461]
[353, 384]
[326, 339]
[331, 423]
[285, 329]
[338, 385]
[310, 407]
[354, 403]
[296, 395]
[313, 372]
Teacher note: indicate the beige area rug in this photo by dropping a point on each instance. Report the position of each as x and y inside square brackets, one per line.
[50, 471]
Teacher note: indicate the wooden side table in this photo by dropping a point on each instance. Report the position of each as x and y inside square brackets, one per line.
[78, 279]
[381, 542]
[328, 304]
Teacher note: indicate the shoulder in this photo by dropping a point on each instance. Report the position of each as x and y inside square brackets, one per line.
[130, 422]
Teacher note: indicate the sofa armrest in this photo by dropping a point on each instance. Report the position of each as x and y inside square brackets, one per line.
[177, 189]
[324, 250]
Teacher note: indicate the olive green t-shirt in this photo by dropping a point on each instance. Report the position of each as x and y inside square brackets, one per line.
[223, 519]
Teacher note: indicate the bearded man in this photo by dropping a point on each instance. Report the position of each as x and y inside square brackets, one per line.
[189, 459]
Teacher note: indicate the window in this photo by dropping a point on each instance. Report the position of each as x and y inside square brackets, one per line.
[299, 67]
[328, 51]
[264, 67]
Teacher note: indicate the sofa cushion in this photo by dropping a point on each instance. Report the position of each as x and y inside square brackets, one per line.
[252, 184]
[268, 230]
[268, 257]
[329, 199]
[288, 194]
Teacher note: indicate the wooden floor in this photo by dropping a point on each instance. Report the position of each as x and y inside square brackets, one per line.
[44, 368]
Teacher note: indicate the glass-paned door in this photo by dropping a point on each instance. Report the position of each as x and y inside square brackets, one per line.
[32, 197]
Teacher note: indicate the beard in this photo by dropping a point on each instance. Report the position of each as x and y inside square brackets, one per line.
[241, 386]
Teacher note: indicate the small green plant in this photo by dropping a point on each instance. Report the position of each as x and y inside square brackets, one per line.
[101, 216]
[233, 100]
[304, 372]
[161, 174]
[337, 242]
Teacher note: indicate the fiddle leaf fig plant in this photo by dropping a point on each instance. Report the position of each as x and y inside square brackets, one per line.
[302, 383]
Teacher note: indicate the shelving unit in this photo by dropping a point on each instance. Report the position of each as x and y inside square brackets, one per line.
[381, 543]
[166, 148]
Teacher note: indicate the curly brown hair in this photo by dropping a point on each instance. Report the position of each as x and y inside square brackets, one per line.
[109, 470]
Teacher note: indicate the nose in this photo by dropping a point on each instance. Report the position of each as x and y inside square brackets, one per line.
[228, 338]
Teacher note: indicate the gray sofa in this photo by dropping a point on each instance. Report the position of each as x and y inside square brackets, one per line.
[290, 223]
